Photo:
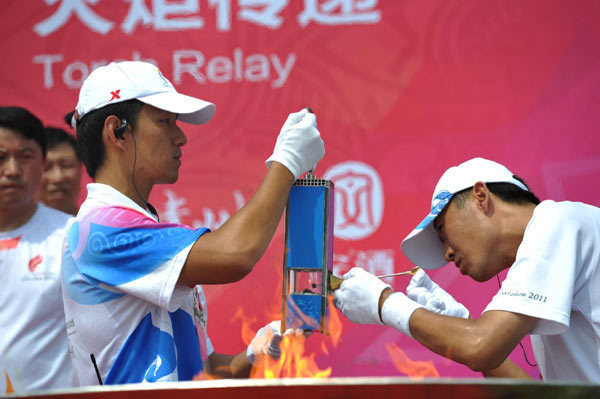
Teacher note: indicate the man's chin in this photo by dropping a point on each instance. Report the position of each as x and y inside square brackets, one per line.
[15, 199]
[169, 180]
[482, 278]
[54, 203]
[55, 198]
[15, 202]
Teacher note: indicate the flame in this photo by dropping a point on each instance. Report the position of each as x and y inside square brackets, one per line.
[247, 333]
[414, 369]
[334, 325]
[324, 348]
[293, 362]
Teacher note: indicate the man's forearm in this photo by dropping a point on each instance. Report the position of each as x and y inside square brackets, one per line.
[230, 252]
[508, 369]
[254, 225]
[480, 344]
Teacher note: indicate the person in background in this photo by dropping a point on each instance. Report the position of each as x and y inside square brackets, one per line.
[61, 180]
[485, 219]
[135, 311]
[33, 335]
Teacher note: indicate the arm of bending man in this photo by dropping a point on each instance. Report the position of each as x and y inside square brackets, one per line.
[481, 344]
[508, 369]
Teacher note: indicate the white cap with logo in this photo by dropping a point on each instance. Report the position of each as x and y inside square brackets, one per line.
[423, 246]
[127, 80]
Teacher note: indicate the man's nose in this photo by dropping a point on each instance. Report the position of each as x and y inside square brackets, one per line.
[12, 167]
[180, 138]
[54, 174]
[448, 253]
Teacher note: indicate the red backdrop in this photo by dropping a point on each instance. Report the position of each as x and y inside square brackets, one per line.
[402, 90]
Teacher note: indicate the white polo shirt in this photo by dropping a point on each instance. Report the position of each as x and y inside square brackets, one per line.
[33, 338]
[556, 278]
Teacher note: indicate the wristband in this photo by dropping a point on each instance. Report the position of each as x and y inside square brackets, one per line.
[397, 310]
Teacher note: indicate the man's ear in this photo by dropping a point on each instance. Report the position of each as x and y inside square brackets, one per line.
[111, 123]
[482, 196]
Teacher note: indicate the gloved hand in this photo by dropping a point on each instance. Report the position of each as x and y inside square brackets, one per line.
[267, 341]
[427, 293]
[358, 296]
[299, 146]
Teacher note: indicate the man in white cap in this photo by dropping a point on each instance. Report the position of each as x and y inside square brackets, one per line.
[134, 310]
[485, 219]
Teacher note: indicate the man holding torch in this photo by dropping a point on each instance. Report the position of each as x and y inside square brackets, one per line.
[134, 309]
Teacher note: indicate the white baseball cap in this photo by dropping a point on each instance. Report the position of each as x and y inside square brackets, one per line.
[423, 246]
[127, 80]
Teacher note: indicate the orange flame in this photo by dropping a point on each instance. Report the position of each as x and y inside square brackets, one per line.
[334, 325]
[247, 333]
[414, 369]
[292, 363]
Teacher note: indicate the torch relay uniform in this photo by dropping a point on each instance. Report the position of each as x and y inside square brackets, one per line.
[122, 304]
[556, 278]
[34, 352]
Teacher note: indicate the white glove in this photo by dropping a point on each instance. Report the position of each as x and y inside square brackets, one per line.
[299, 146]
[267, 341]
[427, 293]
[397, 310]
[358, 296]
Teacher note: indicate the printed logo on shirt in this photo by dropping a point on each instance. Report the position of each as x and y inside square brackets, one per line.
[512, 293]
[34, 262]
[71, 327]
[9, 243]
[37, 275]
[198, 311]
[529, 295]
[9, 388]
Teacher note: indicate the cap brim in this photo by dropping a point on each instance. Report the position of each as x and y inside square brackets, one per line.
[424, 248]
[190, 109]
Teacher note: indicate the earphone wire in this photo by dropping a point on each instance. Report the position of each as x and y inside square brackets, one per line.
[148, 205]
[520, 344]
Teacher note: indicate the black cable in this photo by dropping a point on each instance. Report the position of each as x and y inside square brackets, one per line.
[96, 368]
[520, 344]
[148, 205]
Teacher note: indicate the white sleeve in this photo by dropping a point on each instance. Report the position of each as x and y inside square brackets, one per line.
[541, 281]
[160, 286]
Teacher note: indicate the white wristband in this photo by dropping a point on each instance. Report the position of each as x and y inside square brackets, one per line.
[396, 311]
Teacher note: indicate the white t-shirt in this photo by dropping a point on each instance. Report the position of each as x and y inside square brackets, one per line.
[119, 273]
[556, 278]
[33, 338]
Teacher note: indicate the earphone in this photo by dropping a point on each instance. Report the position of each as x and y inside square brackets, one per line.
[119, 131]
